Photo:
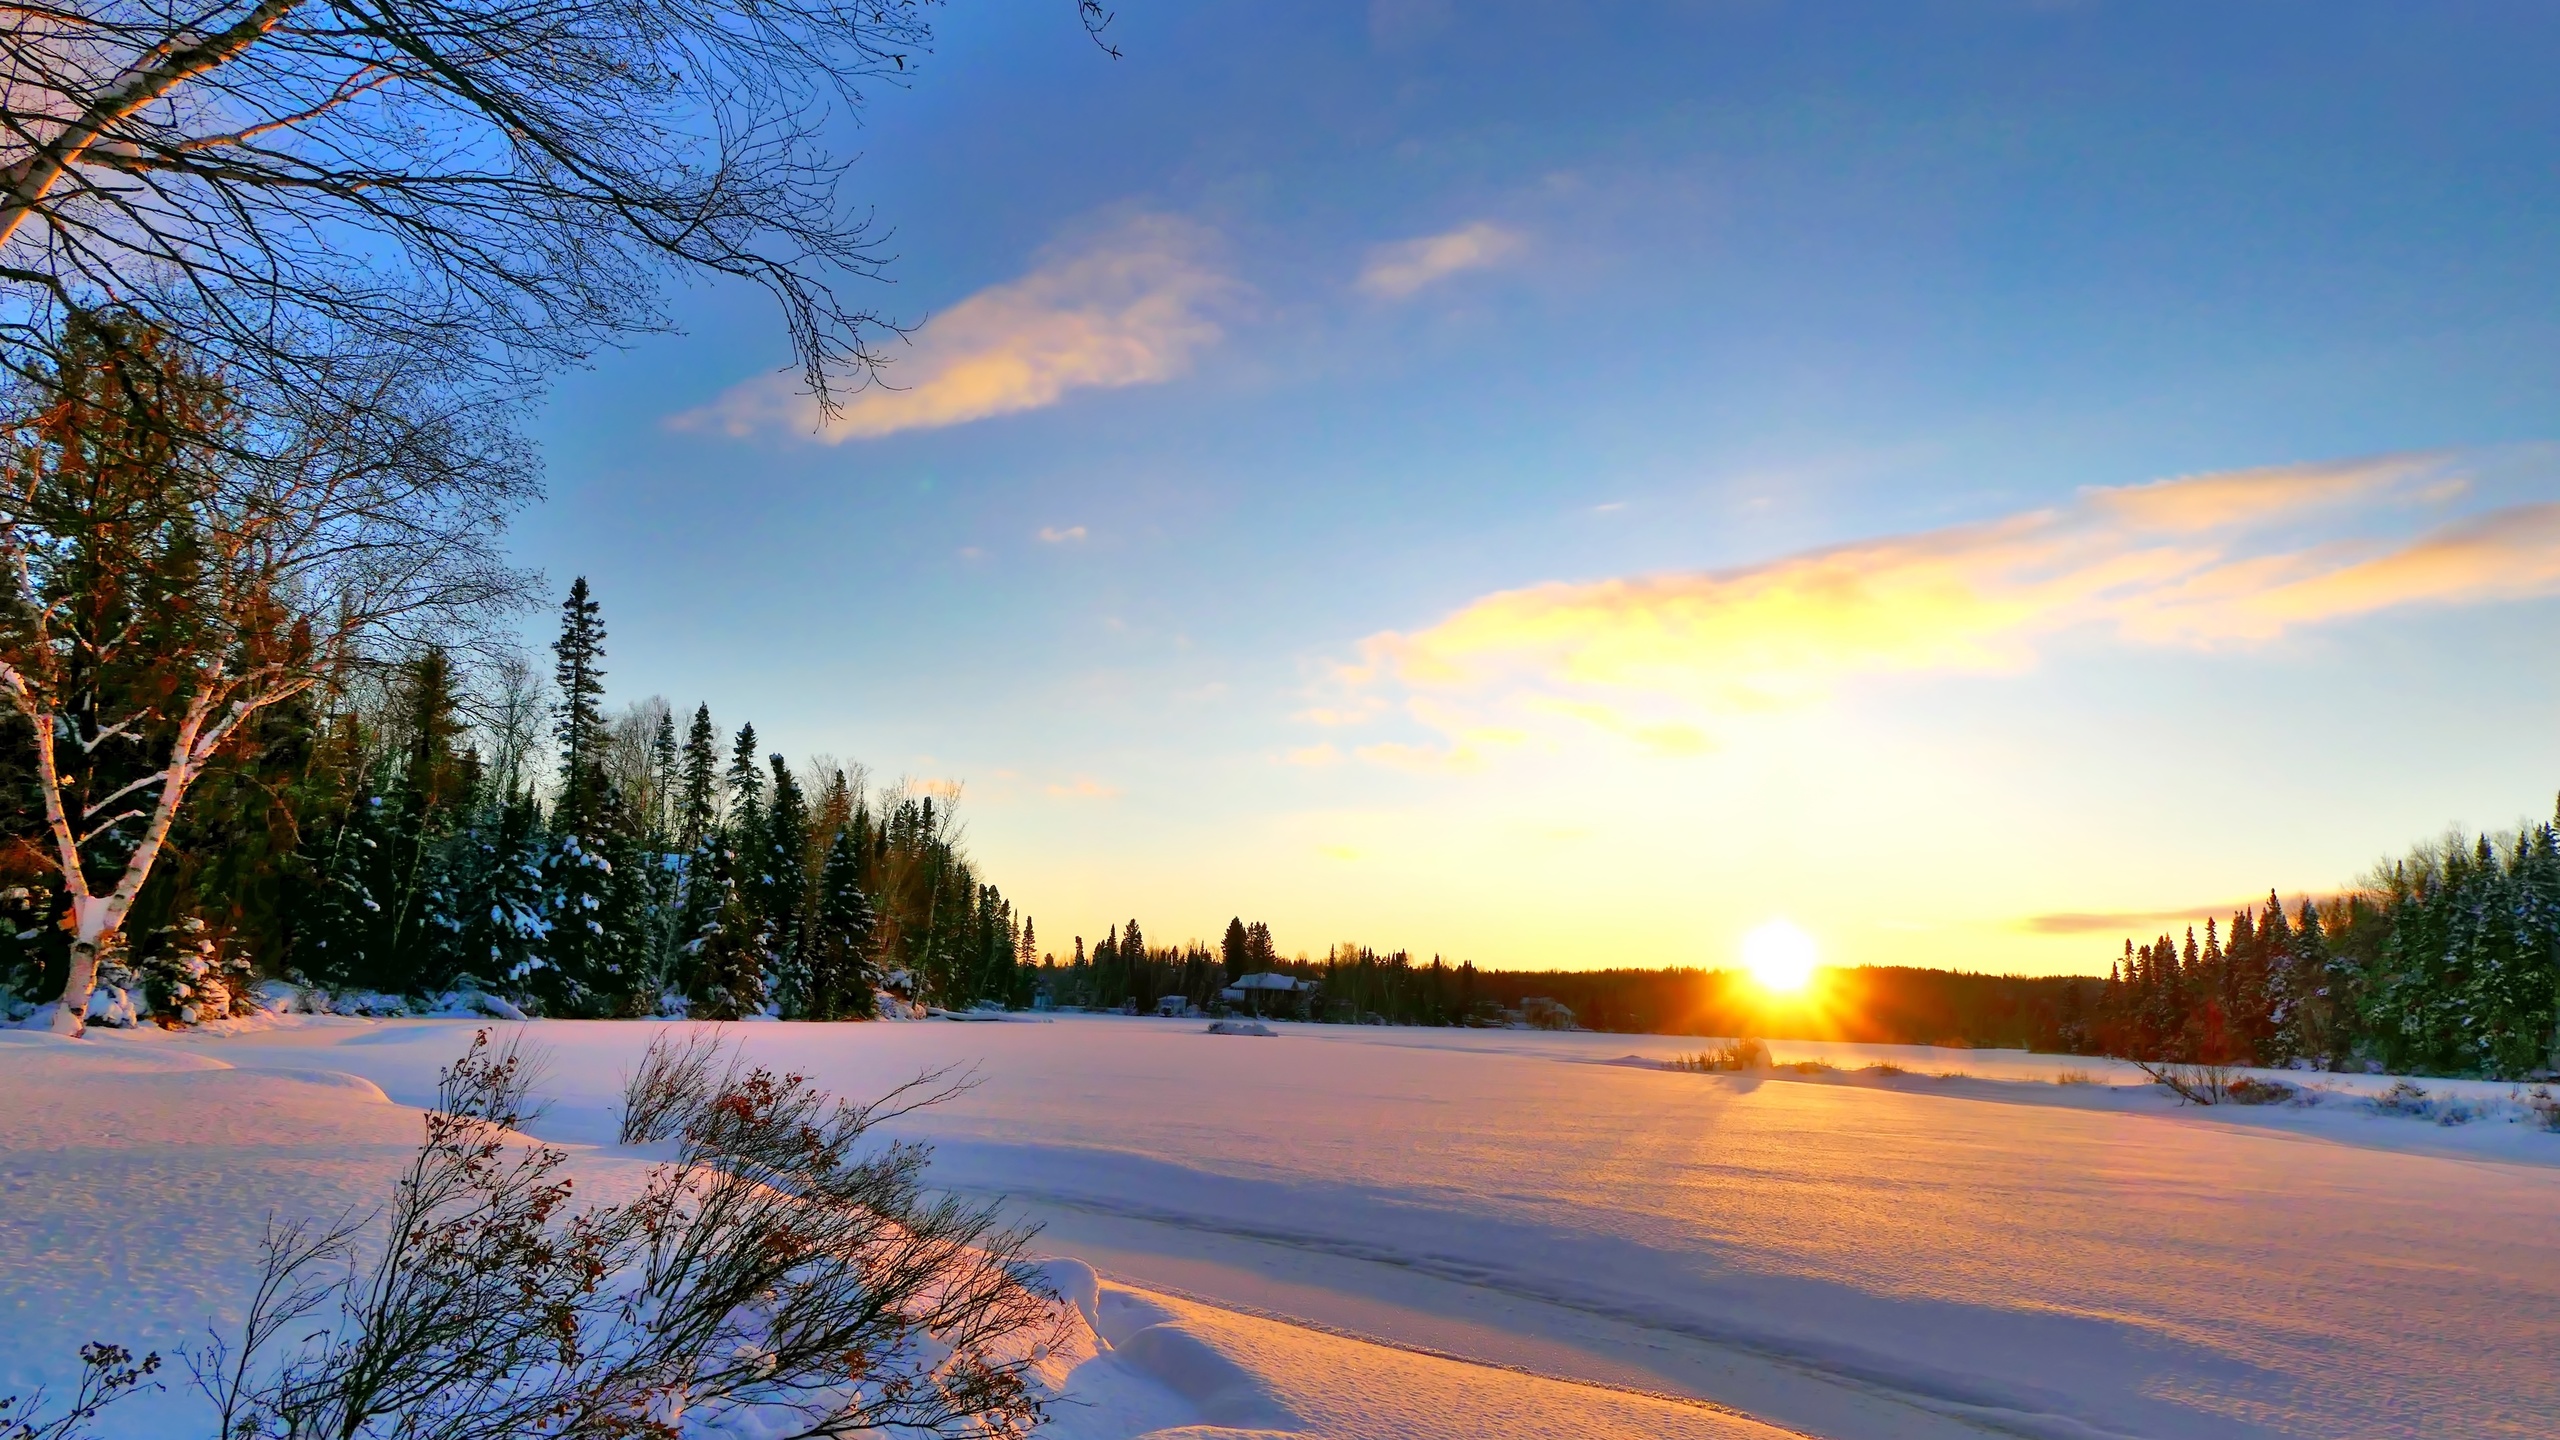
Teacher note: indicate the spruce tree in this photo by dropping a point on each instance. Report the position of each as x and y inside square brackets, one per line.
[746, 784]
[592, 955]
[432, 794]
[723, 949]
[699, 809]
[504, 926]
[781, 884]
[666, 773]
[837, 946]
[579, 717]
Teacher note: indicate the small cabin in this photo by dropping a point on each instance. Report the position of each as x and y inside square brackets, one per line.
[1267, 990]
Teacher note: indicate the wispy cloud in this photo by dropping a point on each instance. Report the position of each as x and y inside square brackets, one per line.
[2202, 561]
[1398, 270]
[2125, 922]
[1082, 788]
[1052, 535]
[1133, 306]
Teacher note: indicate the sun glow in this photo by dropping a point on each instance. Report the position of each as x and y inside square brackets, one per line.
[1780, 956]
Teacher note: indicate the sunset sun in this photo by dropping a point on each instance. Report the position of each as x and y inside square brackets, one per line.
[1780, 956]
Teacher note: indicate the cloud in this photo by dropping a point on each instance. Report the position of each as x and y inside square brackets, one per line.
[1052, 535]
[1133, 306]
[2204, 561]
[1083, 788]
[1314, 755]
[2141, 925]
[1398, 270]
[2123, 922]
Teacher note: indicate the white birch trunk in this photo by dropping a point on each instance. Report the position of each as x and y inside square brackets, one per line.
[98, 919]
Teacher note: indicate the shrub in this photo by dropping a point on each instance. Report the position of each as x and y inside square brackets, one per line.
[2544, 1107]
[2402, 1098]
[783, 1263]
[1739, 1055]
[672, 1083]
[2073, 1077]
[2192, 1082]
[2253, 1090]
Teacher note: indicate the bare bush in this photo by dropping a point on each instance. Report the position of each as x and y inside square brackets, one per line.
[1739, 1055]
[2073, 1077]
[782, 1263]
[2193, 1082]
[107, 1374]
[672, 1083]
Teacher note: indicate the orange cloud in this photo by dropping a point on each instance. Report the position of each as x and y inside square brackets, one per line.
[1132, 307]
[1398, 270]
[2198, 561]
[1083, 788]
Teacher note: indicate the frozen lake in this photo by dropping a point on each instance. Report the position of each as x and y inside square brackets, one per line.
[1851, 1256]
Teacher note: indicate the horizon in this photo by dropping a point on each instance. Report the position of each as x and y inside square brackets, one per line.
[1465, 480]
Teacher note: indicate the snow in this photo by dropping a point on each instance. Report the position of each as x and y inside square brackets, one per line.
[1356, 1231]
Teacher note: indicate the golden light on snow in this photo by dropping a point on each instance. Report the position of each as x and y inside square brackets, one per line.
[1780, 956]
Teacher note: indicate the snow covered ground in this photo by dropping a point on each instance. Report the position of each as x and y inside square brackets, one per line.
[1377, 1232]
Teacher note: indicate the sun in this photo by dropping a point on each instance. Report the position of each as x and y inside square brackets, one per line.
[1780, 956]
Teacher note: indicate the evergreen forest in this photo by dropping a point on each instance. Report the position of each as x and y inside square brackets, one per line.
[402, 834]
[2445, 961]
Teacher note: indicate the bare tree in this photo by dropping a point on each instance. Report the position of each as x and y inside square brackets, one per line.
[263, 177]
[171, 565]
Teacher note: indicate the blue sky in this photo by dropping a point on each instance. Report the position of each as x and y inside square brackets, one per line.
[1558, 485]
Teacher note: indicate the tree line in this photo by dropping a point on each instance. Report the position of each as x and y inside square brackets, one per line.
[1355, 983]
[2443, 961]
[373, 837]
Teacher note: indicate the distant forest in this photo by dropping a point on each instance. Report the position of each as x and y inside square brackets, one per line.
[1356, 984]
[2444, 961]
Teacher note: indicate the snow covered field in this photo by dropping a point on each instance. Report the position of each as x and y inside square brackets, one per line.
[1376, 1232]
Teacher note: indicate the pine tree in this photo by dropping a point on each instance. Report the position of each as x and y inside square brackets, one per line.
[838, 944]
[432, 794]
[781, 885]
[346, 847]
[579, 719]
[1235, 948]
[723, 950]
[699, 809]
[746, 784]
[667, 774]
[504, 928]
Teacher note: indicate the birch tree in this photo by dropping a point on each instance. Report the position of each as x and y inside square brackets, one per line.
[171, 564]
